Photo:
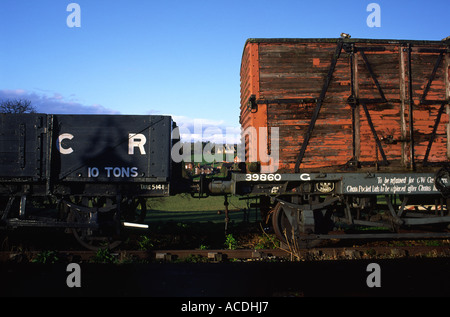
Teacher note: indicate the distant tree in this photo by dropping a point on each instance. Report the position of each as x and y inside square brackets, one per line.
[16, 106]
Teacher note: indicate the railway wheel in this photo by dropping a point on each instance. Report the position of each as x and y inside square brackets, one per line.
[281, 225]
[134, 210]
[95, 222]
[289, 234]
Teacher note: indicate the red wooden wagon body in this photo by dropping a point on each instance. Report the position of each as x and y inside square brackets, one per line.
[343, 104]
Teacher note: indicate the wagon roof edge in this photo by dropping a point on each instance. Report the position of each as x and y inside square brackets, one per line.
[351, 40]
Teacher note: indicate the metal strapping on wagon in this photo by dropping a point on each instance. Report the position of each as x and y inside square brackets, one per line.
[411, 112]
[318, 106]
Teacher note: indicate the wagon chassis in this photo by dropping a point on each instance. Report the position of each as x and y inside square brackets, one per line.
[308, 207]
[93, 218]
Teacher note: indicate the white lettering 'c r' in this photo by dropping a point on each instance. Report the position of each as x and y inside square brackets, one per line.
[136, 140]
[58, 143]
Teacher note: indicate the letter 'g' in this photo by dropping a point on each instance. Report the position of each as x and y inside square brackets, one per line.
[60, 139]
[136, 140]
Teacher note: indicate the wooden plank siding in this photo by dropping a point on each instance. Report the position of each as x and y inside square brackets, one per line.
[285, 78]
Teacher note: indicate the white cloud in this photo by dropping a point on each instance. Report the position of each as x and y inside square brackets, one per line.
[197, 129]
[54, 104]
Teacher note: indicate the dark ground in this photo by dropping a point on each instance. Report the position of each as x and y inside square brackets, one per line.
[399, 278]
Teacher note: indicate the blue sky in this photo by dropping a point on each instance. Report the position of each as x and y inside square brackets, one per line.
[179, 58]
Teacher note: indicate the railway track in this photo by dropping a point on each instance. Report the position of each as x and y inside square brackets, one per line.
[212, 256]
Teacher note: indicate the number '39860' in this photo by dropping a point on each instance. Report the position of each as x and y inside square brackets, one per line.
[262, 177]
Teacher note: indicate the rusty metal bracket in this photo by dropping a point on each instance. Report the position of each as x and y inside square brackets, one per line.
[442, 102]
[353, 104]
[372, 74]
[364, 102]
[374, 132]
[252, 106]
[319, 104]
[433, 74]
[433, 133]
[411, 108]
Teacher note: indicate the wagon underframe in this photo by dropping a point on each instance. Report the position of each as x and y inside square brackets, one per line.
[311, 205]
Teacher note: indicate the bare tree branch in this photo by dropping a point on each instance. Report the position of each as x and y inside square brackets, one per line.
[16, 106]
